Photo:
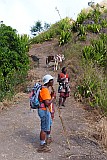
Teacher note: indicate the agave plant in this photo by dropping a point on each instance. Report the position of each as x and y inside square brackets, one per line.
[94, 28]
[64, 37]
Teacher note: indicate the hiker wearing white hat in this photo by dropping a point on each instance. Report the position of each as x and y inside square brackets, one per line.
[46, 112]
[47, 78]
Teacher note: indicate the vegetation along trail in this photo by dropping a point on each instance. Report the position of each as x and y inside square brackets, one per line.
[20, 127]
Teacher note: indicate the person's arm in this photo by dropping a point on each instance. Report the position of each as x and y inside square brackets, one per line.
[47, 98]
[60, 79]
[48, 102]
[53, 97]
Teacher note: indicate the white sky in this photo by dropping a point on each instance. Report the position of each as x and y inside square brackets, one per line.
[22, 14]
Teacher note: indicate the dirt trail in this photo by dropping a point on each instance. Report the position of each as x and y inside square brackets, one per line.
[20, 127]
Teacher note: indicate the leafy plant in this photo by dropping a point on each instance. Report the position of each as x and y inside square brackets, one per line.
[61, 29]
[81, 17]
[13, 59]
[104, 23]
[88, 52]
[94, 28]
[96, 52]
[100, 50]
[91, 86]
[64, 37]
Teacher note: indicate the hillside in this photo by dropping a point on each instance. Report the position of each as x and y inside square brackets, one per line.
[20, 127]
[84, 44]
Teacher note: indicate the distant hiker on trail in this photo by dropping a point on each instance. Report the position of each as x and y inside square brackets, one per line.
[64, 87]
[46, 113]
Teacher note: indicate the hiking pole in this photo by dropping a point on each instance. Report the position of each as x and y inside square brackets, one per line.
[64, 129]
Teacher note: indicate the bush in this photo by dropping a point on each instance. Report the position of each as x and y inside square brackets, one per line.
[93, 87]
[14, 61]
[96, 52]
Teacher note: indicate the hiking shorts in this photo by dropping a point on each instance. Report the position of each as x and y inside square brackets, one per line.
[46, 120]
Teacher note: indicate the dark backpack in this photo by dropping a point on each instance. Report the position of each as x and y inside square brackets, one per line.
[34, 97]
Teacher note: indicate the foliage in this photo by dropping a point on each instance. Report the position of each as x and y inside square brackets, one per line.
[38, 28]
[46, 26]
[105, 10]
[65, 34]
[61, 29]
[81, 17]
[92, 86]
[104, 23]
[14, 61]
[94, 28]
[64, 37]
[96, 13]
[82, 33]
[96, 52]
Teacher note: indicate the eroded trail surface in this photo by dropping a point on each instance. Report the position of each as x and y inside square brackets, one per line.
[20, 127]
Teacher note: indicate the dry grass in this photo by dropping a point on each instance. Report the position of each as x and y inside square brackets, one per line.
[6, 104]
[102, 128]
[100, 125]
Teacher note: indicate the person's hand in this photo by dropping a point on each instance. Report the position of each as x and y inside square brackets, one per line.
[53, 98]
[53, 94]
[52, 116]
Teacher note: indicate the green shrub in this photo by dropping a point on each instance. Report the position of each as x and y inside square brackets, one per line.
[94, 28]
[64, 37]
[96, 52]
[104, 23]
[93, 87]
[14, 61]
[81, 17]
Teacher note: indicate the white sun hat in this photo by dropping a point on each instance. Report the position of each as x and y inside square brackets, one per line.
[47, 78]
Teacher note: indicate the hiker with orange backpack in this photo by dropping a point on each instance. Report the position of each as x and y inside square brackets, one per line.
[64, 88]
[46, 113]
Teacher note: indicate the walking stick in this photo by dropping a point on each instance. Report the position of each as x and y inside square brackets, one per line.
[64, 129]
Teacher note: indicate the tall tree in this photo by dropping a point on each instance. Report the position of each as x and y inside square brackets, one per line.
[37, 28]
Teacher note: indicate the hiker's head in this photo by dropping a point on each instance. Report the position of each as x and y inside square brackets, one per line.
[48, 80]
[64, 70]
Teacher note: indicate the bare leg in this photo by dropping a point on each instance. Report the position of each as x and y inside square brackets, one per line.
[64, 99]
[49, 138]
[60, 101]
[43, 147]
[42, 136]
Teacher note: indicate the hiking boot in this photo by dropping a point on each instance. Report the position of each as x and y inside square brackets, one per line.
[43, 148]
[49, 141]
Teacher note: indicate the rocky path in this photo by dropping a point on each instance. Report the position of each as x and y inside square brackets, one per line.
[20, 127]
